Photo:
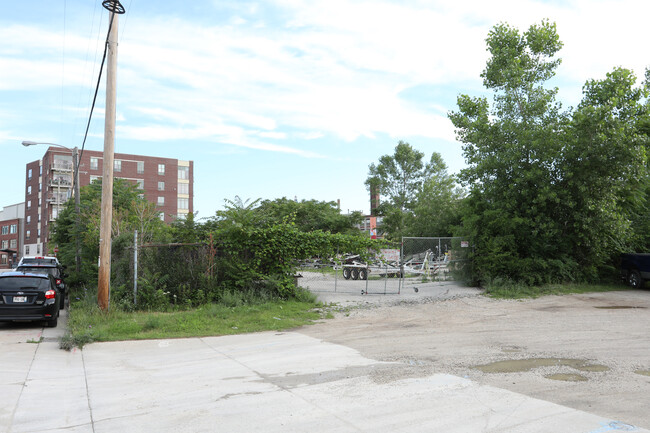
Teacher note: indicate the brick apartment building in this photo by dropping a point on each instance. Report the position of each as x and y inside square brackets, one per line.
[166, 182]
[11, 234]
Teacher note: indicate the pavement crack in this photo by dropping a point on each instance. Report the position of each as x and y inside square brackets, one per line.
[90, 409]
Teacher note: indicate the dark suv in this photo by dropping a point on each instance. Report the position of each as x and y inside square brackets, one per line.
[49, 269]
[29, 296]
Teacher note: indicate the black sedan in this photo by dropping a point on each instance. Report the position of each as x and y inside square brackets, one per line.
[29, 296]
[52, 269]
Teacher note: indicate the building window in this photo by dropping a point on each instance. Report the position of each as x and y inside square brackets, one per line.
[161, 186]
[29, 204]
[26, 250]
[39, 202]
[183, 188]
[13, 243]
[94, 163]
[28, 234]
[29, 219]
[183, 203]
[183, 172]
[5, 230]
[3, 260]
[38, 233]
[140, 183]
[161, 201]
[5, 244]
[40, 170]
[39, 187]
[161, 169]
[117, 165]
[140, 167]
[29, 189]
[13, 229]
[162, 216]
[94, 178]
[29, 173]
[38, 249]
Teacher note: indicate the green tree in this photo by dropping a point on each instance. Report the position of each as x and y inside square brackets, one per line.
[130, 212]
[550, 192]
[401, 180]
[309, 215]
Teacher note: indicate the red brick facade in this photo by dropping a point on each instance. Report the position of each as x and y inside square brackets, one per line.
[157, 177]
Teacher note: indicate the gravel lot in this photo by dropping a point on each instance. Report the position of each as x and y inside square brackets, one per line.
[589, 352]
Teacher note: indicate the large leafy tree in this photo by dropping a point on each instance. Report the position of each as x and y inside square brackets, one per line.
[402, 180]
[309, 215]
[550, 191]
[130, 212]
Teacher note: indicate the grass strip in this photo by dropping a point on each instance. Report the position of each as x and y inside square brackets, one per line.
[88, 324]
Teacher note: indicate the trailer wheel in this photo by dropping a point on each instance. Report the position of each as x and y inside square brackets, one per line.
[363, 274]
[634, 279]
[346, 273]
[355, 274]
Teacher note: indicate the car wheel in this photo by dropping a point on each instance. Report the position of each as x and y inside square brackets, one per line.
[363, 274]
[355, 274]
[53, 322]
[634, 279]
[346, 273]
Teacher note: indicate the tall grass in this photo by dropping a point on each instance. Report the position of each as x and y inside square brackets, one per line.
[237, 314]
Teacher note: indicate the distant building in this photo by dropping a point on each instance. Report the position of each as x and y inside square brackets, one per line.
[166, 182]
[11, 234]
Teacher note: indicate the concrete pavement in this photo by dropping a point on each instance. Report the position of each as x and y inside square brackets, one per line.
[271, 382]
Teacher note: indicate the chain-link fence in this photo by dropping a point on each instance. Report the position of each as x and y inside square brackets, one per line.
[435, 259]
[420, 260]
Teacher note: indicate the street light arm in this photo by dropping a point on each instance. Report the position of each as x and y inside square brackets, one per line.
[34, 143]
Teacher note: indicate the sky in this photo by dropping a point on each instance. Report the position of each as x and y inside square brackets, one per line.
[278, 98]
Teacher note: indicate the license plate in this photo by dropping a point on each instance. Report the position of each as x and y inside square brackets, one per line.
[20, 298]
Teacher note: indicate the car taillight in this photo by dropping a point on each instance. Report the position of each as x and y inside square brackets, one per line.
[50, 294]
[58, 281]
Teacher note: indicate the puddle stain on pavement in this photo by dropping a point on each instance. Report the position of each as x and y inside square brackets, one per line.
[523, 365]
[643, 372]
[567, 377]
[619, 307]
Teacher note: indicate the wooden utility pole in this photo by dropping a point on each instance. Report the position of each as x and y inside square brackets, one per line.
[104, 279]
[75, 173]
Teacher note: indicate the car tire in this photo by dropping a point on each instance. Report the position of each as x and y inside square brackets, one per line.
[53, 322]
[634, 279]
[347, 273]
[355, 274]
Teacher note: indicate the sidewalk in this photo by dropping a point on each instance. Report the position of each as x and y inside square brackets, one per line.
[271, 382]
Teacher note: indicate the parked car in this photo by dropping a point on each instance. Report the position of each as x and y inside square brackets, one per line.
[28, 296]
[49, 269]
[39, 260]
[635, 269]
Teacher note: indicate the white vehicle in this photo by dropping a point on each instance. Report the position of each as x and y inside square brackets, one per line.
[38, 260]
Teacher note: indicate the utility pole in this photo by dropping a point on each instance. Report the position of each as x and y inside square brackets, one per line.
[104, 278]
[75, 173]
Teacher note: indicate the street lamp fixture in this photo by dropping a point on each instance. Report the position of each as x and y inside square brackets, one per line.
[75, 175]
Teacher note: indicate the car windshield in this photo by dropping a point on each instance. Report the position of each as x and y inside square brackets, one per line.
[38, 261]
[40, 270]
[17, 283]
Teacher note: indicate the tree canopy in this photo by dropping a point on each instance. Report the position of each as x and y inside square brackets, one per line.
[413, 192]
[551, 192]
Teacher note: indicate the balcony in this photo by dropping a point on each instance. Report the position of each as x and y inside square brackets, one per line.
[61, 166]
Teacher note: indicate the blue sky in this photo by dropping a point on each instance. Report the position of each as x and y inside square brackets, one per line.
[287, 98]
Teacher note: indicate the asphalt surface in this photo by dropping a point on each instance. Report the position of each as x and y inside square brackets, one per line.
[271, 382]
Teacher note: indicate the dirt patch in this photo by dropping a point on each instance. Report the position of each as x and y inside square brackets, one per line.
[428, 335]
